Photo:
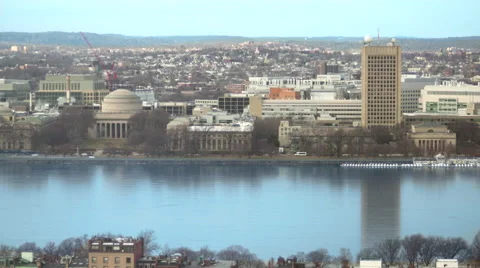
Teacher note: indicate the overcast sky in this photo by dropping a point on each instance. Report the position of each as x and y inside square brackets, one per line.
[253, 18]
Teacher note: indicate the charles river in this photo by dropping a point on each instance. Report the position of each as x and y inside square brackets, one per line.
[271, 208]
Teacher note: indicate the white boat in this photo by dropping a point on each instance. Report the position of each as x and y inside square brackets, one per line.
[439, 161]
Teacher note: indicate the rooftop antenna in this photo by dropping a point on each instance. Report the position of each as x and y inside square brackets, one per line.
[378, 36]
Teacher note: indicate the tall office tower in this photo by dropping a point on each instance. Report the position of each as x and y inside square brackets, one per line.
[381, 77]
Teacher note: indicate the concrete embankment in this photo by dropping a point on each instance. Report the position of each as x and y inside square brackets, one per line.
[195, 160]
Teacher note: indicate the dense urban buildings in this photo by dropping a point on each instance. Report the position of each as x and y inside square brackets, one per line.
[217, 87]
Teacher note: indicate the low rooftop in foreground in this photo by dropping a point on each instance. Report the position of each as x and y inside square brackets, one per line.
[121, 244]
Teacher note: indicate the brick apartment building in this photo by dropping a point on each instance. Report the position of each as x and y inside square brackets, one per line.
[278, 93]
[114, 253]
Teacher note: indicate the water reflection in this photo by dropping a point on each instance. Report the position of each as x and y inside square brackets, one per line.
[380, 206]
[255, 204]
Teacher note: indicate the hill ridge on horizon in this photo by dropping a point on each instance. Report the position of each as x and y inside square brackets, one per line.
[119, 40]
[227, 35]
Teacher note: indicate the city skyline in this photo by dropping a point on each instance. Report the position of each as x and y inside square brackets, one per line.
[248, 18]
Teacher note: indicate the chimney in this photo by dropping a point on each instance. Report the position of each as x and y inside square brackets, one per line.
[68, 89]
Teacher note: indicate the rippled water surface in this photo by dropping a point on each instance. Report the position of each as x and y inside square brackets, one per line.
[271, 209]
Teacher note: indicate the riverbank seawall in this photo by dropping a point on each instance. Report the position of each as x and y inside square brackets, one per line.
[194, 160]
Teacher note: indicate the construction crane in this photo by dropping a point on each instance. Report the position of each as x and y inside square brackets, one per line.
[110, 70]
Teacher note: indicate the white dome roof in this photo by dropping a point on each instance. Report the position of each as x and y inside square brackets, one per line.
[121, 101]
[367, 39]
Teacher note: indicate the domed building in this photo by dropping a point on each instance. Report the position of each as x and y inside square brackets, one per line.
[121, 101]
[112, 120]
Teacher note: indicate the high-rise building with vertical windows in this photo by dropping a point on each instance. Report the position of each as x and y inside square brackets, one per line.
[381, 78]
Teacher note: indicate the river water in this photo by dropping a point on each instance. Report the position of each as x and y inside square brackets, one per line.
[273, 210]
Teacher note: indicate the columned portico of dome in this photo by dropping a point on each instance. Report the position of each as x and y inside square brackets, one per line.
[112, 122]
[111, 130]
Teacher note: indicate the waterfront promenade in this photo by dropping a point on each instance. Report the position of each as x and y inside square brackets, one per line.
[228, 159]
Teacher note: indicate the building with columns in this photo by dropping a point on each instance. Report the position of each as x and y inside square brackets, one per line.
[433, 138]
[112, 120]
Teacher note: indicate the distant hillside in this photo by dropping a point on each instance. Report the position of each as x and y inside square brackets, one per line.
[115, 40]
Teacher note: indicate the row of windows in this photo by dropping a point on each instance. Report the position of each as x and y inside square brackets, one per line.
[380, 70]
[60, 86]
[382, 88]
[117, 260]
[380, 121]
[381, 57]
[463, 93]
[375, 81]
[378, 75]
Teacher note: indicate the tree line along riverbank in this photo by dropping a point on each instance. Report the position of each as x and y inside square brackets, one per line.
[413, 250]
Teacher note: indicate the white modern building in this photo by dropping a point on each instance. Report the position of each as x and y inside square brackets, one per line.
[446, 263]
[262, 85]
[146, 95]
[206, 115]
[342, 112]
[450, 97]
[411, 92]
[370, 263]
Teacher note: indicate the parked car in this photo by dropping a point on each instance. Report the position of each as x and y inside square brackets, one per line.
[301, 154]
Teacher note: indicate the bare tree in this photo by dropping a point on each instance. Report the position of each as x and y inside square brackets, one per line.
[475, 247]
[148, 129]
[411, 246]
[71, 127]
[337, 140]
[165, 250]
[430, 249]
[451, 247]
[358, 141]
[67, 247]
[236, 252]
[150, 245]
[206, 252]
[367, 253]
[381, 134]
[50, 248]
[81, 246]
[77, 121]
[344, 258]
[265, 135]
[320, 257]
[389, 250]
[6, 250]
[29, 247]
